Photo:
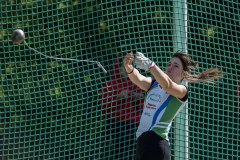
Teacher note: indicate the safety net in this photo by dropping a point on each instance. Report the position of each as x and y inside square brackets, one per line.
[64, 106]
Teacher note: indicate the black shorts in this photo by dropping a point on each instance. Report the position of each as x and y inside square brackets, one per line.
[151, 146]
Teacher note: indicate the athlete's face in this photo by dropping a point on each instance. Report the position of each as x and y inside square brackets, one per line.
[175, 69]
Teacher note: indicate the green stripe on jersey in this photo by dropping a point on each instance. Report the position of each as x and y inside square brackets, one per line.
[171, 110]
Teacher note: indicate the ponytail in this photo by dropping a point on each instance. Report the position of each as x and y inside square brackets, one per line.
[205, 76]
[189, 64]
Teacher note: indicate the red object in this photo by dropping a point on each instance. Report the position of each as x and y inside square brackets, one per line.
[120, 98]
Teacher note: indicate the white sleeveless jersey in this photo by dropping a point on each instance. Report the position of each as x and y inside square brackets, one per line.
[160, 108]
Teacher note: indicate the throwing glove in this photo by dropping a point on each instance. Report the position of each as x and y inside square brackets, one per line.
[142, 62]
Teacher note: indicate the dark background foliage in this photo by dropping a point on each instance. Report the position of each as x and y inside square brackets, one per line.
[50, 109]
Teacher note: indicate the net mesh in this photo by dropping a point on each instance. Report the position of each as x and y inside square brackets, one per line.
[56, 109]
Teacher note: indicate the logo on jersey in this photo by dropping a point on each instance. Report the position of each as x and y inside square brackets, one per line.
[147, 114]
[155, 98]
[151, 106]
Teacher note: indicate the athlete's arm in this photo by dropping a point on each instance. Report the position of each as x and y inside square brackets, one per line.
[141, 81]
[177, 90]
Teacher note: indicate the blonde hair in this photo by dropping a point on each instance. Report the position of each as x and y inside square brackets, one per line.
[188, 64]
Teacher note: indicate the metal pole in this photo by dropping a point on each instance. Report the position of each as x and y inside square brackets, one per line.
[180, 43]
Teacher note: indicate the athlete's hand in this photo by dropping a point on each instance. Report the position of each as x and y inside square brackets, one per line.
[128, 59]
[143, 62]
